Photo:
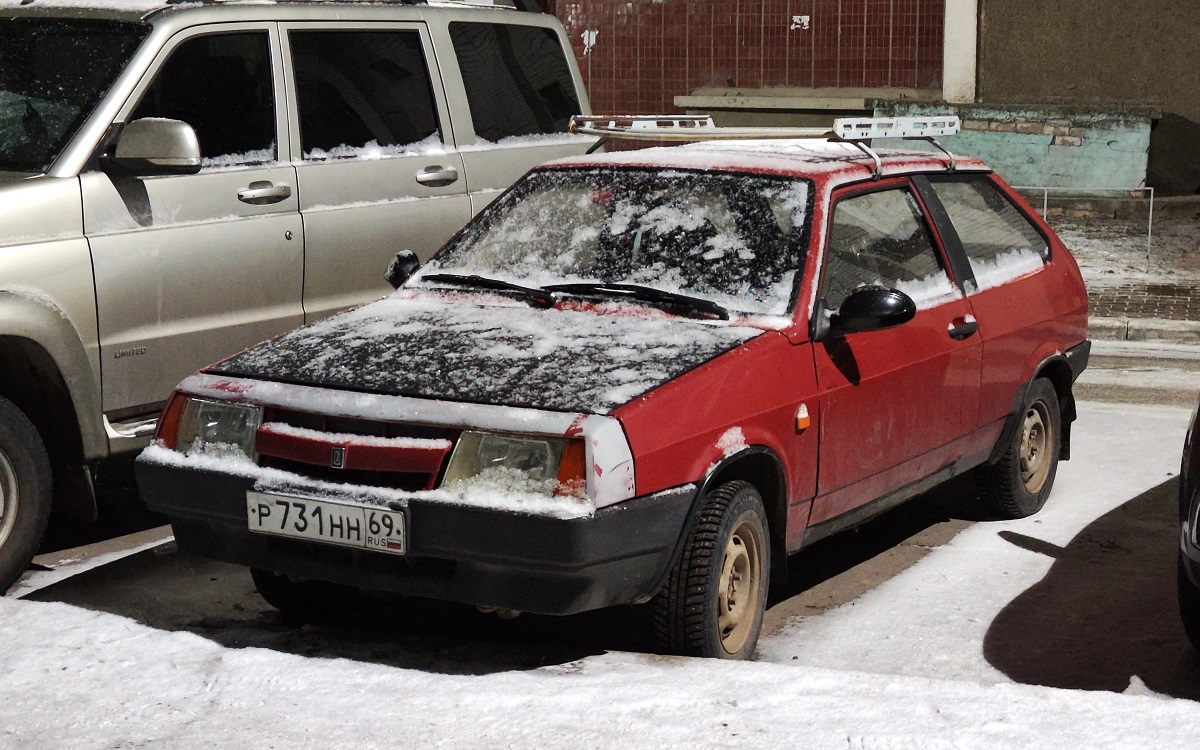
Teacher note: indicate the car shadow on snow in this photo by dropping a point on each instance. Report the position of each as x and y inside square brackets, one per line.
[1106, 611]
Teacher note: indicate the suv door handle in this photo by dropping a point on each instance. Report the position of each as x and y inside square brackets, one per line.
[961, 328]
[264, 193]
[437, 176]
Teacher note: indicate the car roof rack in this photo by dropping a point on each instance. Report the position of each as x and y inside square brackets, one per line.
[852, 130]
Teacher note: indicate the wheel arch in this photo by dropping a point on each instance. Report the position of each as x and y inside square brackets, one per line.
[1056, 369]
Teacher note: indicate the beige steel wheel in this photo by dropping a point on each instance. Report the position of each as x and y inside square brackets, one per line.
[1018, 484]
[713, 601]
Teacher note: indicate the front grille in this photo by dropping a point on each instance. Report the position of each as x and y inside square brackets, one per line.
[355, 451]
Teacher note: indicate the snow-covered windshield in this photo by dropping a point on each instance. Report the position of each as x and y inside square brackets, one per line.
[52, 73]
[735, 240]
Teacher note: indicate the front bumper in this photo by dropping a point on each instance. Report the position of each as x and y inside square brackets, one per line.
[458, 553]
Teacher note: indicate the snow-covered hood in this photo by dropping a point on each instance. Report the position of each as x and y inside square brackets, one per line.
[563, 360]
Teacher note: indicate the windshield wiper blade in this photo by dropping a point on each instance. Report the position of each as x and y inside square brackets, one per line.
[534, 296]
[645, 294]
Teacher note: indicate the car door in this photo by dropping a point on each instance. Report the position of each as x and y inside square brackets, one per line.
[377, 168]
[895, 403]
[192, 268]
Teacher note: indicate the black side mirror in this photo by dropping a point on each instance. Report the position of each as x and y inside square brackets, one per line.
[402, 267]
[871, 308]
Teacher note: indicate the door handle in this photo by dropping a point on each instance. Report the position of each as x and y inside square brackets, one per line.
[264, 193]
[962, 328]
[437, 176]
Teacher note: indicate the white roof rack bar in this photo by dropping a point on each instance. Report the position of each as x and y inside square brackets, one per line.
[863, 128]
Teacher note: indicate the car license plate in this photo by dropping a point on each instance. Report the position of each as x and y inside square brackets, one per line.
[321, 521]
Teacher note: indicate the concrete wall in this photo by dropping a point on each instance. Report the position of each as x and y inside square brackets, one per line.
[1073, 147]
[1091, 52]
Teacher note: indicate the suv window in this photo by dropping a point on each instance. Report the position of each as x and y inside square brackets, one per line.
[517, 79]
[999, 240]
[880, 239]
[362, 90]
[221, 86]
[52, 74]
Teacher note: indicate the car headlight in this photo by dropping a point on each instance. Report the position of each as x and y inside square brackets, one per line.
[217, 427]
[541, 465]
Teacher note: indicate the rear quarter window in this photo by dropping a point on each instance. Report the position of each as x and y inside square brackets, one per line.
[1000, 242]
[517, 79]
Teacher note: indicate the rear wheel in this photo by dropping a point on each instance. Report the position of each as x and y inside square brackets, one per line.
[302, 598]
[25, 492]
[713, 602]
[1018, 484]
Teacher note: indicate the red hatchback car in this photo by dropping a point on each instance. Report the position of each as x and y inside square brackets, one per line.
[645, 376]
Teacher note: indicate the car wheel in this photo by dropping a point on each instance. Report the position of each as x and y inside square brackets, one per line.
[302, 598]
[1189, 605]
[25, 492]
[1018, 484]
[712, 604]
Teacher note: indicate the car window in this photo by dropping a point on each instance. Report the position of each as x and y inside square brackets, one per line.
[221, 86]
[999, 241]
[363, 93]
[880, 239]
[731, 239]
[517, 79]
[52, 74]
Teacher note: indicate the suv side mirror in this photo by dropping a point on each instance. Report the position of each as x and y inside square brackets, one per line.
[157, 146]
[402, 267]
[871, 308]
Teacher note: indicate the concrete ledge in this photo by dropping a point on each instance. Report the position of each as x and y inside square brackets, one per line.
[1144, 329]
[1088, 206]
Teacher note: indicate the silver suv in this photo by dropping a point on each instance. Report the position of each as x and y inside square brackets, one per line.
[181, 180]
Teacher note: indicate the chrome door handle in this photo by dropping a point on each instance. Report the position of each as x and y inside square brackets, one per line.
[961, 330]
[437, 176]
[263, 193]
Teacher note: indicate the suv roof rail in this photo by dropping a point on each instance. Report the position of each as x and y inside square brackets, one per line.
[853, 130]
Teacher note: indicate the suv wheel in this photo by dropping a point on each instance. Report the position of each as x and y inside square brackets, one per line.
[1018, 484]
[1189, 604]
[25, 492]
[713, 602]
[302, 598]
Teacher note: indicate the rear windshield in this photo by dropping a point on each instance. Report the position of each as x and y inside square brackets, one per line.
[732, 239]
[52, 74]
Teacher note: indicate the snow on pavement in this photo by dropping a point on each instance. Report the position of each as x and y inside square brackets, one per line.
[902, 668]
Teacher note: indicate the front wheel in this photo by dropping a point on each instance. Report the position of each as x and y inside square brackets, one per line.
[302, 598]
[713, 602]
[1018, 484]
[25, 492]
[1189, 604]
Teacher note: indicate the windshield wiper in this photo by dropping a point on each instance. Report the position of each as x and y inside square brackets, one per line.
[534, 296]
[646, 294]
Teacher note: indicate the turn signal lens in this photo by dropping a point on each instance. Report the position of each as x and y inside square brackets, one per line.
[167, 431]
[572, 471]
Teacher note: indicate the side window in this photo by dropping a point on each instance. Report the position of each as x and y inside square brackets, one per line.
[999, 241]
[880, 239]
[221, 86]
[517, 79]
[362, 93]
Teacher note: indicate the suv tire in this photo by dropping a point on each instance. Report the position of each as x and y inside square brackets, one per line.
[1189, 604]
[713, 602]
[302, 598]
[25, 492]
[1018, 484]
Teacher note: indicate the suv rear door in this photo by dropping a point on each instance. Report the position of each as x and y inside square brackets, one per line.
[376, 164]
[189, 268]
[894, 403]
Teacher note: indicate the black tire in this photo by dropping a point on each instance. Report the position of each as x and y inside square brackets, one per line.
[25, 493]
[713, 602]
[1189, 605]
[1018, 484]
[303, 598]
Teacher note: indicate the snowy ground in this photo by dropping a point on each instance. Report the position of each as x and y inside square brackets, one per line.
[912, 664]
[1112, 252]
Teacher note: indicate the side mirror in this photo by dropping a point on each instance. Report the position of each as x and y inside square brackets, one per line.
[157, 146]
[402, 267]
[871, 308]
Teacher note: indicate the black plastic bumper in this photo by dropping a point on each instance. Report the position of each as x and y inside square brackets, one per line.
[457, 553]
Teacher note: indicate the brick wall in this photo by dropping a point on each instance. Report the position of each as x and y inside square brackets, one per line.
[647, 52]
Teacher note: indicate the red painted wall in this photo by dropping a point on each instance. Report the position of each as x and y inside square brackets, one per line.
[647, 52]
